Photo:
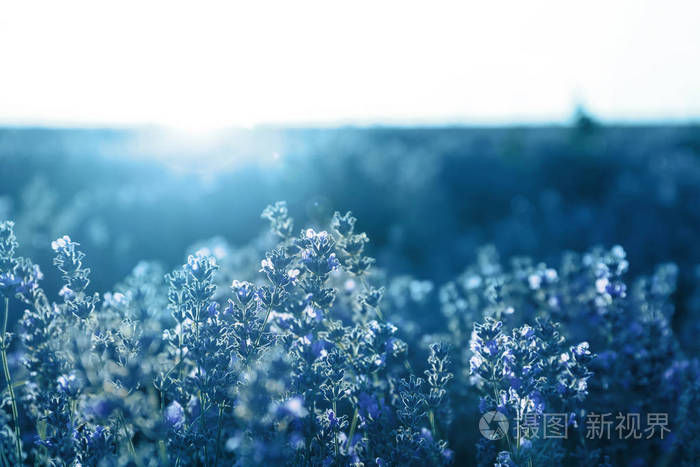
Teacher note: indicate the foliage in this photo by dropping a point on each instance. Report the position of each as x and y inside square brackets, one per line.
[317, 357]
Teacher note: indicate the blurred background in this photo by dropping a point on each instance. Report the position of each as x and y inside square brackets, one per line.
[142, 129]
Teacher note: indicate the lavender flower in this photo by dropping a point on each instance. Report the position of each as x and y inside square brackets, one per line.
[318, 358]
[175, 415]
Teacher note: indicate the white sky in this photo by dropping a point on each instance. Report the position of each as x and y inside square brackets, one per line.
[201, 64]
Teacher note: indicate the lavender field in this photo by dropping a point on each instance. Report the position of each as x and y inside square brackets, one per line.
[383, 296]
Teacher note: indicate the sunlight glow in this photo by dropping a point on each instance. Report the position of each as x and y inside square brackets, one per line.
[202, 65]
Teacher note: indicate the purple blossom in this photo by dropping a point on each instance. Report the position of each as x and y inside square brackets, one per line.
[175, 415]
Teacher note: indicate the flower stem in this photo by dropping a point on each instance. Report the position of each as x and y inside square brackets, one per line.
[128, 438]
[180, 344]
[202, 402]
[203, 409]
[8, 379]
[267, 317]
[335, 434]
[161, 442]
[433, 427]
[353, 425]
[218, 435]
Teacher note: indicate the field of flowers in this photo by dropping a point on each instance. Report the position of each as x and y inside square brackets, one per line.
[423, 297]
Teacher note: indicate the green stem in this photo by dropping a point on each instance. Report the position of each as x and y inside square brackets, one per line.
[4, 320]
[202, 402]
[493, 383]
[335, 435]
[179, 360]
[5, 462]
[365, 286]
[8, 379]
[353, 425]
[218, 435]
[267, 317]
[517, 427]
[71, 414]
[128, 438]
[431, 417]
[379, 314]
[161, 443]
[202, 414]
[262, 329]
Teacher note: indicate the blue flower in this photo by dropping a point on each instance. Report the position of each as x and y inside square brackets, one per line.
[504, 460]
[8, 284]
[69, 385]
[62, 244]
[243, 291]
[213, 309]
[368, 406]
[175, 415]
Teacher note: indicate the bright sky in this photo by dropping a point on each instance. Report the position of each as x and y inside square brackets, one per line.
[205, 64]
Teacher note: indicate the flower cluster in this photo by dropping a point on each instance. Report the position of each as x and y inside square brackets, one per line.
[292, 366]
[310, 355]
[527, 373]
[69, 260]
[572, 339]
